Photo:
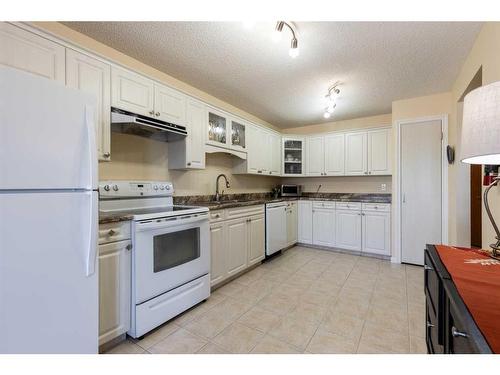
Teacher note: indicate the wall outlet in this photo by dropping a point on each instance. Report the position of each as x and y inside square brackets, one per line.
[383, 187]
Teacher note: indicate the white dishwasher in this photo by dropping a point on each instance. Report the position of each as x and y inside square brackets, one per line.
[276, 235]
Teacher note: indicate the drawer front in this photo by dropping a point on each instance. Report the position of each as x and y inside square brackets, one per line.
[112, 232]
[348, 206]
[384, 207]
[460, 339]
[325, 204]
[432, 284]
[216, 216]
[234, 213]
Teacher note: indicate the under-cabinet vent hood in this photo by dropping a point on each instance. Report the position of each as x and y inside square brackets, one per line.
[131, 123]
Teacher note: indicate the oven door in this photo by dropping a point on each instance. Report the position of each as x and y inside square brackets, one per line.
[168, 253]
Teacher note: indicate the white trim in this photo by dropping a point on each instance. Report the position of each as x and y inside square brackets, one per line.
[396, 227]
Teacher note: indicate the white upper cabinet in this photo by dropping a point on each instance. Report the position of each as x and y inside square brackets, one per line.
[169, 105]
[275, 146]
[217, 130]
[132, 92]
[334, 155]
[356, 154]
[315, 156]
[237, 140]
[293, 156]
[189, 153]
[26, 51]
[94, 77]
[253, 158]
[379, 152]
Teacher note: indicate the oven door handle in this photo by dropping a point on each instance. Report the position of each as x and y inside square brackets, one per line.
[170, 221]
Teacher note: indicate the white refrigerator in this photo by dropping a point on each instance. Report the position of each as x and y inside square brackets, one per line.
[48, 217]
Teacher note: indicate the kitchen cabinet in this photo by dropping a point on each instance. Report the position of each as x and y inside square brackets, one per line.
[291, 223]
[93, 77]
[334, 155]
[293, 156]
[238, 134]
[376, 224]
[323, 226]
[32, 53]
[217, 128]
[132, 92]
[115, 273]
[316, 156]
[379, 152]
[169, 105]
[348, 226]
[305, 222]
[237, 238]
[356, 163]
[256, 239]
[189, 153]
[275, 154]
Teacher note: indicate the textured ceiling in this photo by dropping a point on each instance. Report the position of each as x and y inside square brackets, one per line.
[376, 63]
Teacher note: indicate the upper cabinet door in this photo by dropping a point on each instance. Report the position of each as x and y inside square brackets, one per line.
[315, 156]
[169, 105]
[253, 149]
[196, 119]
[275, 144]
[132, 92]
[94, 77]
[379, 158]
[29, 52]
[217, 128]
[355, 154]
[334, 155]
[293, 156]
[238, 135]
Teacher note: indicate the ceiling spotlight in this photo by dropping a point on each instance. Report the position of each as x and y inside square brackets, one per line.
[333, 91]
[326, 115]
[278, 31]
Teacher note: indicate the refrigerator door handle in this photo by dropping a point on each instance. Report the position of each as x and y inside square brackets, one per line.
[89, 122]
[93, 230]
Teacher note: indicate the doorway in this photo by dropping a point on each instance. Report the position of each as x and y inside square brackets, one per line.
[422, 187]
[476, 190]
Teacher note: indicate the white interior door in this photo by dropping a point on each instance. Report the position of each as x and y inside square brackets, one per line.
[421, 188]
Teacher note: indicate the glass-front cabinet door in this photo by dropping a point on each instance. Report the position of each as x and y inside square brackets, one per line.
[217, 128]
[293, 157]
[238, 133]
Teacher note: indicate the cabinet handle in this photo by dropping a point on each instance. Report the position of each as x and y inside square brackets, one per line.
[217, 216]
[188, 164]
[158, 114]
[366, 172]
[111, 232]
[106, 154]
[430, 325]
[129, 247]
[456, 333]
[363, 214]
[428, 268]
[151, 112]
[259, 171]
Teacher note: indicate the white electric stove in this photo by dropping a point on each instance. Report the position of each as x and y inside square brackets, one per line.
[170, 253]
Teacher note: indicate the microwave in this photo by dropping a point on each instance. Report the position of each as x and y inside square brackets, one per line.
[291, 190]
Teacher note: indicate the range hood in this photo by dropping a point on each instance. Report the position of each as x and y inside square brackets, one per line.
[131, 123]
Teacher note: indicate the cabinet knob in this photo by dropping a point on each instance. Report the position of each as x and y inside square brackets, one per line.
[129, 247]
[111, 232]
[430, 325]
[157, 114]
[217, 216]
[189, 164]
[151, 112]
[106, 154]
[456, 333]
[427, 268]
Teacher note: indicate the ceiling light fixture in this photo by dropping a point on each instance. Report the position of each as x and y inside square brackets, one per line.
[294, 43]
[333, 92]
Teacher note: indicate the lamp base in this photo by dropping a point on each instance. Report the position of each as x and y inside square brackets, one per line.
[495, 249]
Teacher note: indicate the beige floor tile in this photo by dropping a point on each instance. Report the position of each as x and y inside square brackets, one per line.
[324, 342]
[188, 316]
[389, 317]
[376, 336]
[238, 338]
[416, 323]
[278, 303]
[355, 293]
[259, 319]
[231, 289]
[157, 335]
[316, 298]
[294, 332]
[126, 347]
[343, 325]
[417, 345]
[352, 307]
[212, 348]
[271, 345]
[371, 347]
[209, 325]
[308, 312]
[251, 276]
[179, 342]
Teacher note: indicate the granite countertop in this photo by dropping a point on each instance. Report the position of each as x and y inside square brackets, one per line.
[251, 199]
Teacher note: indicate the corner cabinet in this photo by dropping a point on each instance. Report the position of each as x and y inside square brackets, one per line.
[293, 156]
[189, 153]
[93, 77]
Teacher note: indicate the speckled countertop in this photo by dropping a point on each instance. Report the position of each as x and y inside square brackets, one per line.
[250, 199]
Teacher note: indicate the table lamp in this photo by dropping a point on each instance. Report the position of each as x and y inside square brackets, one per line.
[481, 138]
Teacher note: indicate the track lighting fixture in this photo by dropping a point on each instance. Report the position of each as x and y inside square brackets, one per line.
[333, 92]
[294, 48]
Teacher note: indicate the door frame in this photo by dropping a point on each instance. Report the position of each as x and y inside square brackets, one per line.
[397, 213]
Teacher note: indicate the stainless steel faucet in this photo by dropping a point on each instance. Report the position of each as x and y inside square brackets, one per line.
[217, 194]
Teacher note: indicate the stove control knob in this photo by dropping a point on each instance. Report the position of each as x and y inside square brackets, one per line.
[155, 187]
[115, 187]
[162, 187]
[106, 187]
[167, 187]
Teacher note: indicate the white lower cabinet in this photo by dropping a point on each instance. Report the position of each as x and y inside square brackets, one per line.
[237, 238]
[304, 220]
[114, 283]
[323, 224]
[348, 229]
[291, 223]
[376, 230]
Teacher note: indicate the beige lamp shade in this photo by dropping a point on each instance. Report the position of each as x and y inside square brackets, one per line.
[481, 126]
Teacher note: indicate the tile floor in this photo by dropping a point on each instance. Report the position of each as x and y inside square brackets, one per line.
[304, 301]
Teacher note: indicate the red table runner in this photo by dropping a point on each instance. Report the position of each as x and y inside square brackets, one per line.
[477, 278]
